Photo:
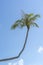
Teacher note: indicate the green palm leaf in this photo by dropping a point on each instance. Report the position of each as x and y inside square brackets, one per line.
[16, 24]
[35, 24]
[34, 17]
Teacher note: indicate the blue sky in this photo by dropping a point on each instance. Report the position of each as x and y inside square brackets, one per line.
[11, 41]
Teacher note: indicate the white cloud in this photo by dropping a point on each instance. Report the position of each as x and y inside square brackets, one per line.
[14, 64]
[20, 62]
[40, 49]
[9, 63]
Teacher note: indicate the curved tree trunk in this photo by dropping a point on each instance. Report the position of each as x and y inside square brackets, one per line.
[16, 57]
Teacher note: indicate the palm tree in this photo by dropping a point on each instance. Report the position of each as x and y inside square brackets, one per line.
[28, 21]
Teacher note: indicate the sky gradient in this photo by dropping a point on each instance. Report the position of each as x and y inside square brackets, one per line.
[11, 41]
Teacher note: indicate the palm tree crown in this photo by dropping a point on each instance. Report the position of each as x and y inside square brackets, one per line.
[27, 20]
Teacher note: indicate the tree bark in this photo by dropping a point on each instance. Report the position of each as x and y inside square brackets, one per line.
[16, 57]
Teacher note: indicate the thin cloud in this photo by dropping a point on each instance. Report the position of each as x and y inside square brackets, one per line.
[40, 49]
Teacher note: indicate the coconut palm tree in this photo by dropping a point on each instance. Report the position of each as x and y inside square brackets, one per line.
[28, 21]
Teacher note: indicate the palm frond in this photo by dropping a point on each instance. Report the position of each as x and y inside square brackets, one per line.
[24, 15]
[22, 25]
[34, 17]
[18, 21]
[35, 24]
[14, 26]
[28, 15]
